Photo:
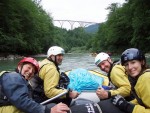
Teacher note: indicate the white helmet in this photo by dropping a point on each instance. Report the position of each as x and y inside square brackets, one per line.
[55, 50]
[101, 57]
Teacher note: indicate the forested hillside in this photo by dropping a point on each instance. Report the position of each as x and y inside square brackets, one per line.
[127, 26]
[75, 40]
[25, 28]
[92, 28]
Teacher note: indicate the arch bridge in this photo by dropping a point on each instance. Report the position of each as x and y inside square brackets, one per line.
[72, 22]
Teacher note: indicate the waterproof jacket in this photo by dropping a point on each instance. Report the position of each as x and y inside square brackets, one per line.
[50, 75]
[17, 90]
[120, 80]
[142, 89]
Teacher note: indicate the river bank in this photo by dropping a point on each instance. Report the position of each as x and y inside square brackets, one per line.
[14, 57]
[10, 57]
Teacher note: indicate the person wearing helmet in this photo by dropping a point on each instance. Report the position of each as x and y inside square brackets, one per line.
[49, 73]
[32, 71]
[139, 76]
[117, 76]
[16, 92]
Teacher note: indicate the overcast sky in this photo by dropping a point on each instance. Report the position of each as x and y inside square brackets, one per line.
[79, 10]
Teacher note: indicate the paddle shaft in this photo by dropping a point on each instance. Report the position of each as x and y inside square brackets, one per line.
[53, 98]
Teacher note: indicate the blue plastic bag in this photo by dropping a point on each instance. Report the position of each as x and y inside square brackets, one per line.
[81, 79]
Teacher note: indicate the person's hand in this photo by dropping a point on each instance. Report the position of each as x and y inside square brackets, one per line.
[60, 108]
[101, 93]
[73, 94]
[122, 104]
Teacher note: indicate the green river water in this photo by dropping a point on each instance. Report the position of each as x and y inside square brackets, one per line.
[70, 61]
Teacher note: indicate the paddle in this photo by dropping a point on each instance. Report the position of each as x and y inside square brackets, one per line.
[53, 98]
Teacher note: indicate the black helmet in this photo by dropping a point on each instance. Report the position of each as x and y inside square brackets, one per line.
[132, 54]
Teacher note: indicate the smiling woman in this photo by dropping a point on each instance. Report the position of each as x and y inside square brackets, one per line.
[15, 84]
[28, 67]
[135, 64]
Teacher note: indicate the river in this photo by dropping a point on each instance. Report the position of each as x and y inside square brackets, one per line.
[70, 61]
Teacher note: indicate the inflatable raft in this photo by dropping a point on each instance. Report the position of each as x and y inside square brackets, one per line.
[87, 82]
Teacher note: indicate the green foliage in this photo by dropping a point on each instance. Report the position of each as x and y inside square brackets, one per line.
[25, 27]
[141, 24]
[78, 49]
[127, 26]
[72, 39]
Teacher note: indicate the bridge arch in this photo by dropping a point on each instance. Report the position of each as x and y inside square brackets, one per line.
[73, 22]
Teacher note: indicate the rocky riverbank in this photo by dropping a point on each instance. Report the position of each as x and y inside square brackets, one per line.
[13, 57]
[10, 57]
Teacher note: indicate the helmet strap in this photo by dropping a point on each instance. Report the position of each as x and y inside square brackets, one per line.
[54, 61]
[20, 70]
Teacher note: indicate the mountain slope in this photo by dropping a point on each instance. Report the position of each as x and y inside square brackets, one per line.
[92, 28]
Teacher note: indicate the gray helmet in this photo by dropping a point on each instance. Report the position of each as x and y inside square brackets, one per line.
[132, 54]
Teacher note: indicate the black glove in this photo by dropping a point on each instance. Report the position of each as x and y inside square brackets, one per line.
[122, 104]
[64, 81]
